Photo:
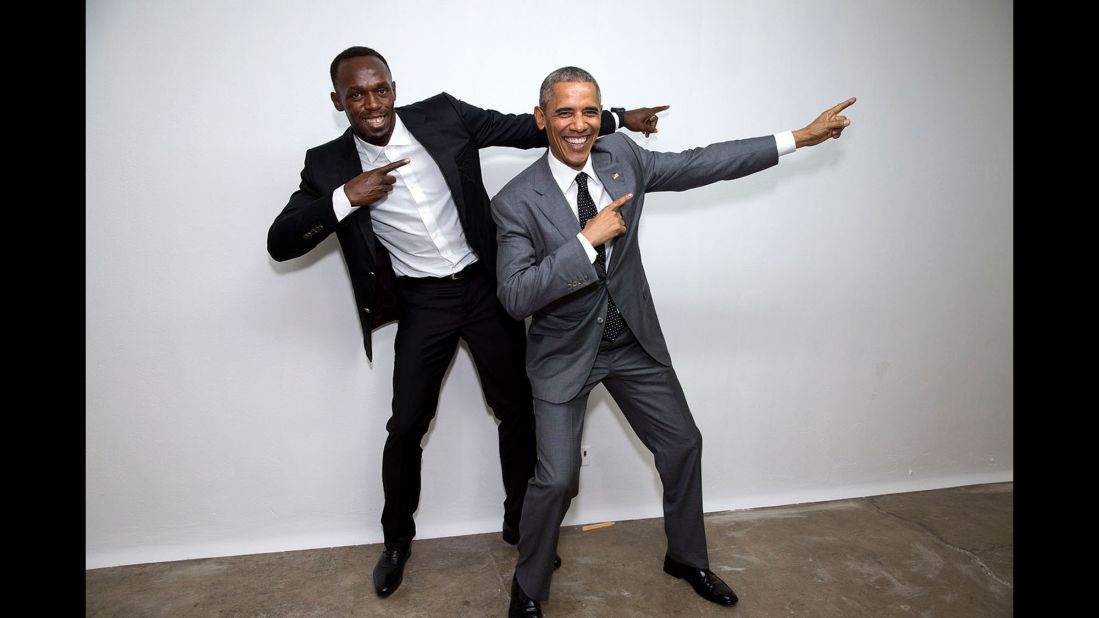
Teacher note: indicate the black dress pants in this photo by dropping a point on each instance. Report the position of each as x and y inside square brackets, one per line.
[435, 313]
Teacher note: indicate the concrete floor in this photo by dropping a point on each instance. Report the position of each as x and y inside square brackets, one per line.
[946, 552]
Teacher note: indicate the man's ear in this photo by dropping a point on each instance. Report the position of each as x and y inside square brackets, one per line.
[539, 118]
[336, 102]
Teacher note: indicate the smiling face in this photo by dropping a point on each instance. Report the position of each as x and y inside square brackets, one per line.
[571, 120]
[366, 93]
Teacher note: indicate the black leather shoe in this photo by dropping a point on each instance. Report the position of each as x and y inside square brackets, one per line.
[510, 534]
[389, 571]
[522, 605]
[706, 584]
[556, 562]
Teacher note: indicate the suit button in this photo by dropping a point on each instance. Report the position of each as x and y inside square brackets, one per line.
[600, 320]
[371, 273]
[366, 310]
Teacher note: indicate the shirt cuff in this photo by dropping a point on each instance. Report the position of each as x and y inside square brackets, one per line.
[340, 204]
[590, 250]
[785, 142]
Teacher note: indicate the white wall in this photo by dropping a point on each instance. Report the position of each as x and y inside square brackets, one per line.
[842, 324]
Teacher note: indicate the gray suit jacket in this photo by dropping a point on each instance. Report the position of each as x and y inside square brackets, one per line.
[543, 271]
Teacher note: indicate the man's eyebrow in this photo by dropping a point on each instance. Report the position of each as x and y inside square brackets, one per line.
[566, 108]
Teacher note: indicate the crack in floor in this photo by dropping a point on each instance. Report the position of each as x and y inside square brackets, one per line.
[504, 588]
[974, 557]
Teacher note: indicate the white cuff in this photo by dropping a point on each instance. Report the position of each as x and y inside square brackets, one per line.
[590, 250]
[341, 206]
[785, 142]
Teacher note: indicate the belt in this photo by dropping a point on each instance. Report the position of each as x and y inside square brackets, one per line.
[465, 273]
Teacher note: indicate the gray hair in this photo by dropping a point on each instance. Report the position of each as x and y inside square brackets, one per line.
[566, 74]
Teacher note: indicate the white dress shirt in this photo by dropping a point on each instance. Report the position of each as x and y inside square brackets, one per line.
[565, 177]
[417, 221]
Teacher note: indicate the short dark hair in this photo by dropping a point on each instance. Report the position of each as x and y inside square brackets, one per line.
[566, 74]
[355, 52]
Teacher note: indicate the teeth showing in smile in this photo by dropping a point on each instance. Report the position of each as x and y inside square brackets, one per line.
[576, 140]
[376, 122]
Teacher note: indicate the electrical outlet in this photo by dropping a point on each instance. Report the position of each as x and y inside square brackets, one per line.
[585, 455]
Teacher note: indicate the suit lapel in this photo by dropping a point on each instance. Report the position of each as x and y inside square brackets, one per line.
[347, 158]
[349, 166]
[440, 149]
[617, 181]
[553, 204]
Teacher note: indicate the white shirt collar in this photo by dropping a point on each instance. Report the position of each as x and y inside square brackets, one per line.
[565, 176]
[400, 137]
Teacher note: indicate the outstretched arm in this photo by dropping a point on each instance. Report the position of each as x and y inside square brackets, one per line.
[728, 160]
[492, 128]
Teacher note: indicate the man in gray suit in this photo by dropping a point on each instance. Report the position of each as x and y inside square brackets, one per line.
[568, 256]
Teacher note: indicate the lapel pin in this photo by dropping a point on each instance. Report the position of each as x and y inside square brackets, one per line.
[615, 176]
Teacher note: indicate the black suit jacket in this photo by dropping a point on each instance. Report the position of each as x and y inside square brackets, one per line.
[452, 132]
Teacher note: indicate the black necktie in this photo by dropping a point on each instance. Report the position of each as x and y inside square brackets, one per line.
[585, 207]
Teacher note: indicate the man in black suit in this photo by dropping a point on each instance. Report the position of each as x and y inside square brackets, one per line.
[402, 190]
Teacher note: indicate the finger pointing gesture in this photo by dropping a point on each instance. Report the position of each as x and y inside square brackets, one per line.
[607, 224]
[828, 124]
[371, 186]
[643, 119]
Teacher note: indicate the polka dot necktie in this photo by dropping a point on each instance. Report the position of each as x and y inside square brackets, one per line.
[585, 207]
